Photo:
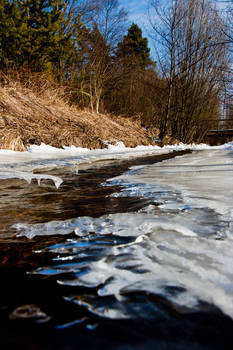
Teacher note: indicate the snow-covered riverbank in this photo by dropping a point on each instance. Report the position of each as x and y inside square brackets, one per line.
[179, 246]
[22, 164]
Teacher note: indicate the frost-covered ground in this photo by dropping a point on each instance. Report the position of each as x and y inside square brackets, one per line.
[180, 246]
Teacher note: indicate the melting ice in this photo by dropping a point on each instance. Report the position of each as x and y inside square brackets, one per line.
[180, 246]
[43, 157]
[21, 165]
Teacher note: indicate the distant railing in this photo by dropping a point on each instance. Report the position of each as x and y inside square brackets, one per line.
[220, 133]
[222, 124]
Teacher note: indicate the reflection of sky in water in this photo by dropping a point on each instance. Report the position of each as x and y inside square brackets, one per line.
[179, 247]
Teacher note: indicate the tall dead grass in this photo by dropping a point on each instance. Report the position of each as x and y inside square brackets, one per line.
[33, 113]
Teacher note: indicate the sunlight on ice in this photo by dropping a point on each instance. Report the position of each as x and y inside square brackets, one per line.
[182, 241]
[21, 164]
[27, 176]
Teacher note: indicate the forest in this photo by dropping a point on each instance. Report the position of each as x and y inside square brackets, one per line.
[103, 63]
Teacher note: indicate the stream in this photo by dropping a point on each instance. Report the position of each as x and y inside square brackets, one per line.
[123, 254]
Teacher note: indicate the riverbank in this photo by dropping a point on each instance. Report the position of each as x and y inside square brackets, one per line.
[29, 117]
[155, 240]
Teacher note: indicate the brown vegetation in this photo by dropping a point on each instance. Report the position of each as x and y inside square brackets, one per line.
[35, 117]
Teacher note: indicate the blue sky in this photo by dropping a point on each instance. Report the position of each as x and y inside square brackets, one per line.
[137, 11]
[135, 8]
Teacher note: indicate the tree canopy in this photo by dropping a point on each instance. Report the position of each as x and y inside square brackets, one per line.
[135, 47]
[88, 47]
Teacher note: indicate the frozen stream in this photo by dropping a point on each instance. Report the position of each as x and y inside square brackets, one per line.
[171, 241]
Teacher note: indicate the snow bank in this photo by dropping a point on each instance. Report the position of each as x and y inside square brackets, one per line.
[181, 242]
[22, 164]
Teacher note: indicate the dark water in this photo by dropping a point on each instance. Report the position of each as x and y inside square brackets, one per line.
[40, 305]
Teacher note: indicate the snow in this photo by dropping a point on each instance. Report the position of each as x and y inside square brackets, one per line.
[22, 164]
[183, 239]
[210, 171]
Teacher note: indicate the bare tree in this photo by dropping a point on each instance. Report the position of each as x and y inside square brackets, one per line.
[111, 19]
[227, 13]
[192, 58]
[98, 70]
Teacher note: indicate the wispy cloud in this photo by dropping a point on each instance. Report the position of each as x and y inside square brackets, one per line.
[137, 10]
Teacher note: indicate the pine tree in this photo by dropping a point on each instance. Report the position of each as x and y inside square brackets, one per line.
[10, 37]
[41, 32]
[66, 27]
[134, 47]
[134, 62]
[42, 35]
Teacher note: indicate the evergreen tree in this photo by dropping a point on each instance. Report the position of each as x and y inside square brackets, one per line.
[34, 34]
[41, 33]
[135, 47]
[134, 62]
[10, 36]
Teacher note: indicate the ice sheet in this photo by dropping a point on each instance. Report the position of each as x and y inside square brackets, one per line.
[180, 246]
[22, 164]
[202, 179]
[159, 254]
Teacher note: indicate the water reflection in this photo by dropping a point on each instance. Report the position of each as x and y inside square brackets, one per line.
[141, 252]
[29, 312]
[102, 252]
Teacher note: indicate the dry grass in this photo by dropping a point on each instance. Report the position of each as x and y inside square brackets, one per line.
[28, 117]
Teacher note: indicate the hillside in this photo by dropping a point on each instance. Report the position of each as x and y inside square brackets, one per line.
[31, 117]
